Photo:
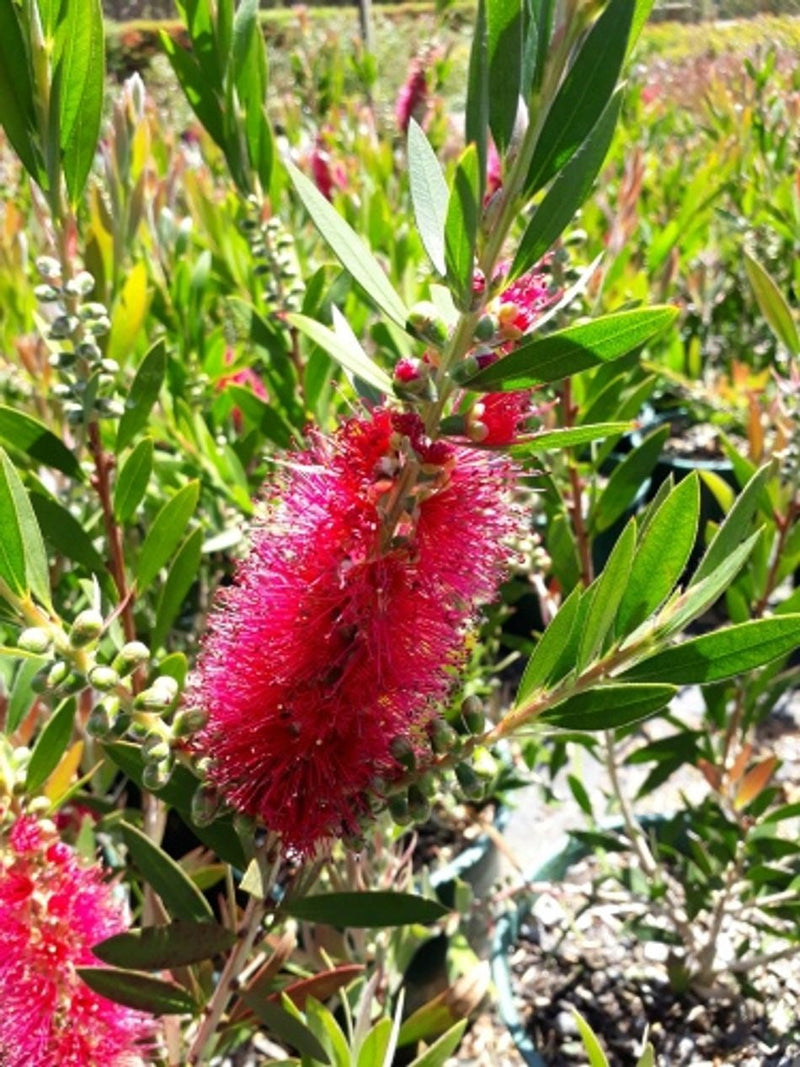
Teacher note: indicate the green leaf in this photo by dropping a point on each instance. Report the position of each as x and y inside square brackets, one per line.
[567, 193]
[627, 479]
[361, 910]
[132, 481]
[17, 104]
[181, 896]
[545, 657]
[68, 537]
[662, 554]
[735, 527]
[461, 227]
[609, 706]
[597, 1058]
[444, 1047]
[23, 560]
[128, 315]
[504, 54]
[80, 73]
[773, 304]
[140, 991]
[220, 836]
[26, 434]
[556, 440]
[50, 746]
[609, 590]
[582, 799]
[158, 948]
[348, 247]
[285, 1026]
[566, 352]
[375, 1045]
[641, 14]
[182, 574]
[21, 696]
[348, 355]
[166, 533]
[583, 94]
[476, 122]
[429, 195]
[197, 87]
[143, 394]
[723, 653]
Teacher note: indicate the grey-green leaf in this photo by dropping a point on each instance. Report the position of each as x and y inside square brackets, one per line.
[140, 991]
[285, 1026]
[143, 394]
[348, 247]
[81, 74]
[461, 227]
[429, 195]
[182, 574]
[360, 910]
[157, 948]
[504, 43]
[166, 533]
[347, 354]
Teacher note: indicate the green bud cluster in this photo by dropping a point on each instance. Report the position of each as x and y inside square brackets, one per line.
[275, 260]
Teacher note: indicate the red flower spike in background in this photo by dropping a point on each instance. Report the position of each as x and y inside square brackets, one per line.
[53, 909]
[412, 100]
[346, 621]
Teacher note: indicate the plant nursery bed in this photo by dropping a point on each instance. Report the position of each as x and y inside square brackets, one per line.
[572, 952]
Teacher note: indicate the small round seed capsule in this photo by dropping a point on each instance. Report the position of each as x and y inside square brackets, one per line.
[398, 809]
[419, 807]
[87, 627]
[156, 775]
[469, 783]
[473, 715]
[34, 639]
[103, 678]
[205, 805]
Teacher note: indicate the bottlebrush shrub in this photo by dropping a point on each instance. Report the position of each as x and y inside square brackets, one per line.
[53, 909]
[305, 699]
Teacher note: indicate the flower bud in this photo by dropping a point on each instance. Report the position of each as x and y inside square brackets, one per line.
[103, 678]
[102, 719]
[133, 654]
[443, 737]
[89, 350]
[57, 674]
[159, 695]
[156, 775]
[62, 360]
[205, 805]
[46, 294]
[403, 751]
[398, 809]
[486, 328]
[34, 639]
[49, 268]
[469, 783]
[155, 748]
[473, 715]
[63, 326]
[87, 627]
[419, 807]
[425, 322]
[188, 721]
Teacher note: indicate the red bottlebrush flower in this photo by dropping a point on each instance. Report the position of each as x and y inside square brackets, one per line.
[494, 171]
[346, 621]
[412, 100]
[498, 417]
[246, 377]
[53, 909]
[523, 302]
[327, 176]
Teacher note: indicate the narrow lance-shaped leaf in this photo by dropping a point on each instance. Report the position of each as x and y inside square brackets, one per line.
[157, 948]
[429, 195]
[182, 574]
[723, 653]
[476, 121]
[610, 588]
[140, 991]
[461, 227]
[773, 304]
[166, 533]
[584, 93]
[662, 555]
[735, 526]
[132, 482]
[359, 910]
[348, 247]
[566, 352]
[180, 895]
[504, 43]
[568, 437]
[81, 74]
[17, 105]
[352, 357]
[567, 192]
[286, 1026]
[549, 647]
[23, 560]
[50, 745]
[626, 481]
[609, 706]
[23, 432]
[143, 394]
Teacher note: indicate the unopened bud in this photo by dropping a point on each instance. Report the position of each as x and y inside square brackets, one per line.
[103, 678]
[473, 715]
[62, 327]
[419, 807]
[156, 775]
[398, 809]
[34, 639]
[425, 322]
[102, 719]
[133, 654]
[48, 267]
[62, 360]
[403, 751]
[57, 674]
[205, 805]
[89, 350]
[93, 310]
[469, 783]
[443, 736]
[188, 721]
[155, 748]
[159, 696]
[86, 628]
[486, 328]
[46, 294]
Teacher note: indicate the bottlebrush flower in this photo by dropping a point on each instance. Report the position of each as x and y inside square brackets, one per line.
[347, 620]
[498, 417]
[53, 909]
[412, 100]
[328, 176]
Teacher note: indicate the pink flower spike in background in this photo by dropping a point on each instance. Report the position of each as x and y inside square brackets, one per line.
[53, 909]
[412, 100]
[346, 621]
